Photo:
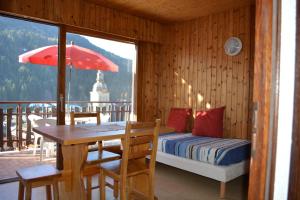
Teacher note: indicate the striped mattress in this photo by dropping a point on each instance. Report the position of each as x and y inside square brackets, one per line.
[216, 151]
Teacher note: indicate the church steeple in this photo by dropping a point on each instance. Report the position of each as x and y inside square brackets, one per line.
[99, 91]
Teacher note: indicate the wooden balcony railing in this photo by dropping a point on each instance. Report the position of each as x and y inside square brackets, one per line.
[15, 127]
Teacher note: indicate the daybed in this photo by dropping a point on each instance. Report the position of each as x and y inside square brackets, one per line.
[217, 158]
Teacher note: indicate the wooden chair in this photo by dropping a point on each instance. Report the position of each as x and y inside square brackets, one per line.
[113, 148]
[37, 176]
[95, 155]
[74, 115]
[140, 141]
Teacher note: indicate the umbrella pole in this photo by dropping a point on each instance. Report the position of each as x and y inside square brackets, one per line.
[69, 88]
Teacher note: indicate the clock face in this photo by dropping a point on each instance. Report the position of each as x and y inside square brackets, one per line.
[233, 46]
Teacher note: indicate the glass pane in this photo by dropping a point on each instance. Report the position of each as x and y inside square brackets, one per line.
[28, 82]
[99, 77]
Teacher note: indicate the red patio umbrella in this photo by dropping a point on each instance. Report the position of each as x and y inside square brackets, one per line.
[76, 56]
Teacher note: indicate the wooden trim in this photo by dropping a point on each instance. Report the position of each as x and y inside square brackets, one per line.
[28, 18]
[265, 95]
[294, 183]
[100, 34]
[25, 18]
[135, 87]
[61, 90]
[139, 86]
[275, 104]
[61, 77]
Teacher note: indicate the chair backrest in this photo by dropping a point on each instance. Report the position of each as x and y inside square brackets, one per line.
[33, 118]
[140, 141]
[74, 115]
[45, 122]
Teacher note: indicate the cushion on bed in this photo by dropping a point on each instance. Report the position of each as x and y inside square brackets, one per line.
[179, 119]
[209, 123]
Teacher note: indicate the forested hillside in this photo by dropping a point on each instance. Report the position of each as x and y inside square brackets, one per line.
[20, 81]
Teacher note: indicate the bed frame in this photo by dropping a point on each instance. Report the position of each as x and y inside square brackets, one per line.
[220, 173]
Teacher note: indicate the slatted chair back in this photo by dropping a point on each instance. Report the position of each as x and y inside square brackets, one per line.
[74, 115]
[140, 142]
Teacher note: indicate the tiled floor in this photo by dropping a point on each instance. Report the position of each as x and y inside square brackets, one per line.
[171, 184]
[10, 162]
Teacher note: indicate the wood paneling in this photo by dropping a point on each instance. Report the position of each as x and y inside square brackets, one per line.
[173, 10]
[80, 13]
[147, 81]
[195, 72]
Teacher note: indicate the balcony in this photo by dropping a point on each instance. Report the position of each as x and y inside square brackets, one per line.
[16, 136]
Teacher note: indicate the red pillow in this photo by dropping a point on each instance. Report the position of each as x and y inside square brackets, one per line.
[179, 118]
[209, 123]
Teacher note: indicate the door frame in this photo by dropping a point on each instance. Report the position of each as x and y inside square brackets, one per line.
[268, 111]
[294, 178]
[265, 98]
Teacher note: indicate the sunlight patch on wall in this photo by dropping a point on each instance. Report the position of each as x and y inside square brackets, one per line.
[183, 81]
[199, 98]
[189, 92]
[208, 106]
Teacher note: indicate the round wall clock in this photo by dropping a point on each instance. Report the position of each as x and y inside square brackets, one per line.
[233, 46]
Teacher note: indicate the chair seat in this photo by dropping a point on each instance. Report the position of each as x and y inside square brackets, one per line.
[95, 157]
[134, 167]
[37, 172]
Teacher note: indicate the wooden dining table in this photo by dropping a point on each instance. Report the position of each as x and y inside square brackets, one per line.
[74, 142]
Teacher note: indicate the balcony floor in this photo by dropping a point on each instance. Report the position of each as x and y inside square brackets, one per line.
[11, 161]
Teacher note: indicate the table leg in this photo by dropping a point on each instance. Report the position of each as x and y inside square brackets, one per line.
[72, 186]
[59, 158]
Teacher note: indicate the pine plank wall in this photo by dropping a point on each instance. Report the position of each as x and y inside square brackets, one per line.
[86, 14]
[193, 70]
[181, 65]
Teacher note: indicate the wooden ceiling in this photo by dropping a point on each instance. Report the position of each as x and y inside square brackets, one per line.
[173, 10]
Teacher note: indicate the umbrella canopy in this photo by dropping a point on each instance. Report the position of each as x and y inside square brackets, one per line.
[76, 56]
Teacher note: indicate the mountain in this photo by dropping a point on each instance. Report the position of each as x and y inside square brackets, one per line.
[29, 82]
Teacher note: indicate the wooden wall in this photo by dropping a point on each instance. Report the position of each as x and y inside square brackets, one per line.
[86, 14]
[195, 72]
[180, 65]
[149, 55]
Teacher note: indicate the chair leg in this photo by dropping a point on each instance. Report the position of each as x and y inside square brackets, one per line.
[41, 148]
[116, 189]
[48, 192]
[55, 191]
[28, 192]
[130, 183]
[151, 186]
[21, 191]
[102, 185]
[89, 187]
[35, 144]
[123, 189]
